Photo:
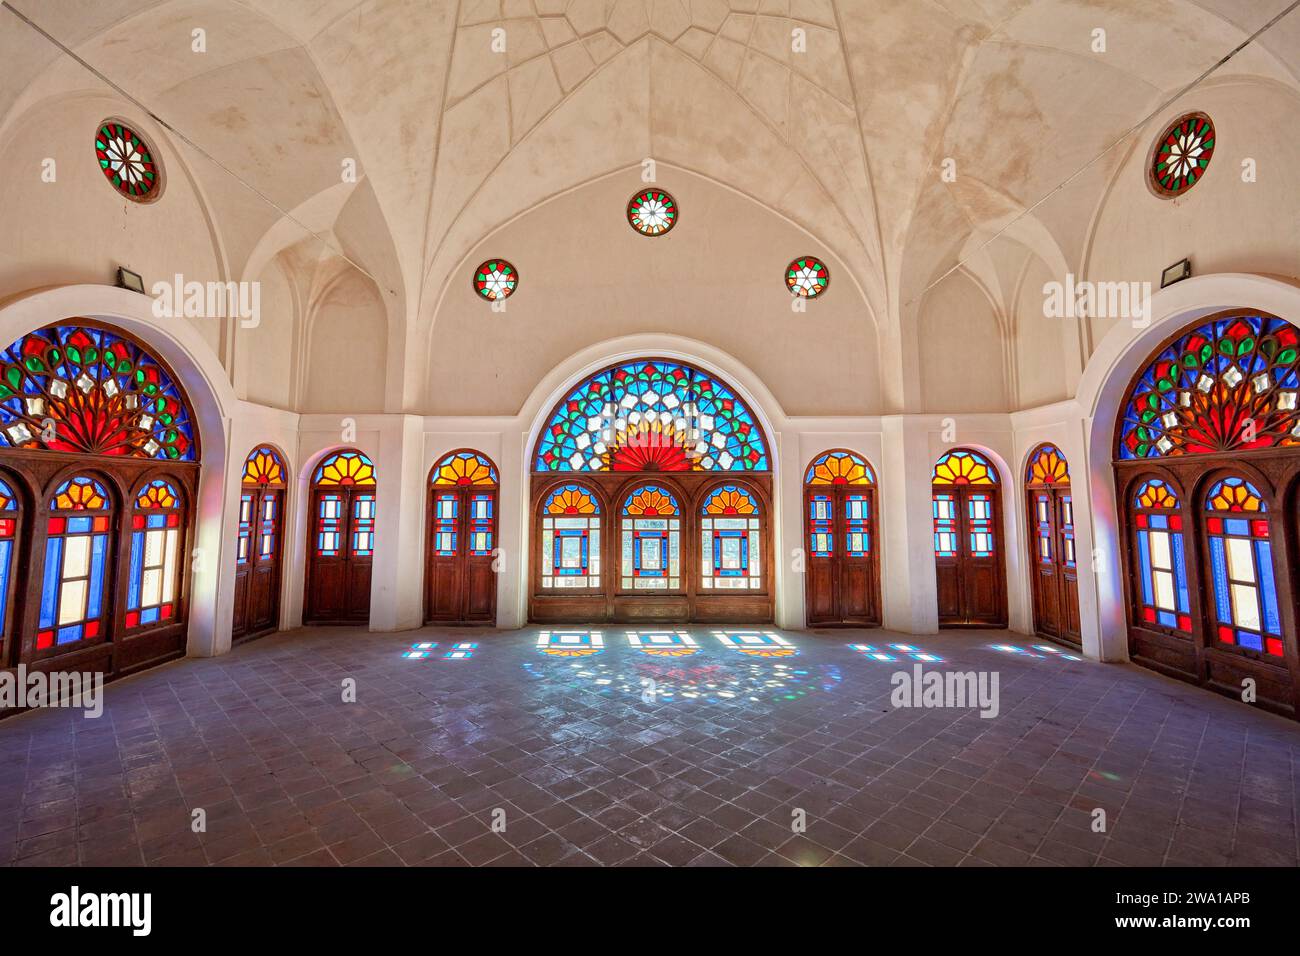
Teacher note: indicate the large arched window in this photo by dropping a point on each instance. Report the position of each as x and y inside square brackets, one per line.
[341, 540]
[731, 544]
[154, 585]
[93, 428]
[1053, 562]
[570, 535]
[258, 549]
[969, 565]
[460, 580]
[842, 576]
[1213, 413]
[625, 429]
[652, 541]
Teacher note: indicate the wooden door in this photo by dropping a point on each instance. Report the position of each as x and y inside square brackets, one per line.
[841, 584]
[969, 565]
[1053, 563]
[460, 583]
[341, 552]
[257, 562]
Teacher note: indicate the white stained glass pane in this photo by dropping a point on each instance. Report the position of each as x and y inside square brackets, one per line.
[331, 541]
[706, 556]
[979, 509]
[169, 566]
[821, 510]
[1042, 509]
[445, 541]
[446, 507]
[627, 558]
[1160, 554]
[1245, 606]
[243, 548]
[245, 509]
[363, 541]
[982, 542]
[267, 541]
[571, 523]
[856, 508]
[652, 524]
[330, 507]
[153, 548]
[268, 509]
[1241, 562]
[732, 524]
[651, 554]
[72, 602]
[76, 557]
[753, 556]
[1164, 582]
[151, 588]
[365, 509]
[571, 552]
[651, 584]
[731, 554]
[593, 552]
[548, 550]
[1044, 548]
[1067, 511]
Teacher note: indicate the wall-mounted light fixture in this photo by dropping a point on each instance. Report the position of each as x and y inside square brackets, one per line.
[1176, 273]
[129, 280]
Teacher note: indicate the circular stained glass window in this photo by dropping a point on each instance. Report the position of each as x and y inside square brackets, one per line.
[127, 161]
[807, 277]
[652, 212]
[1182, 155]
[496, 279]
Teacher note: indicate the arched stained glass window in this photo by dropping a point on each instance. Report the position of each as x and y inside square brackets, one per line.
[655, 415]
[839, 468]
[964, 468]
[155, 556]
[651, 540]
[1228, 385]
[465, 468]
[1237, 526]
[730, 541]
[1047, 466]
[76, 559]
[346, 468]
[75, 388]
[8, 533]
[263, 467]
[1162, 595]
[571, 538]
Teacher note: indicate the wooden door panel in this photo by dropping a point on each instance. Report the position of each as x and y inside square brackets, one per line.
[444, 590]
[480, 591]
[855, 591]
[949, 587]
[263, 606]
[241, 623]
[358, 597]
[819, 590]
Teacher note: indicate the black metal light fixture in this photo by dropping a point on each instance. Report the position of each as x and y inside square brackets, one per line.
[1176, 273]
[132, 281]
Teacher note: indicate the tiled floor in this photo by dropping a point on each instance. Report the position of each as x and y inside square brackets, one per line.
[591, 763]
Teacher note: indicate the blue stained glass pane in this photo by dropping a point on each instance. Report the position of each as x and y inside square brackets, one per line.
[1237, 526]
[1158, 521]
[78, 525]
[149, 616]
[137, 568]
[69, 634]
[1144, 558]
[1219, 567]
[6, 547]
[50, 589]
[1167, 618]
[1180, 572]
[1267, 588]
[98, 548]
[1251, 640]
[157, 521]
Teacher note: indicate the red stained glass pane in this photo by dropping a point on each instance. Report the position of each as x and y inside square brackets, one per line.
[1226, 635]
[44, 639]
[132, 618]
[57, 525]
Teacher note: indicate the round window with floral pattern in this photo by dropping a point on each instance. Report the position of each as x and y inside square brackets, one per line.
[1182, 155]
[127, 161]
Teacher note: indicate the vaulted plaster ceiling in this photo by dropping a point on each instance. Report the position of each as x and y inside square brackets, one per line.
[453, 139]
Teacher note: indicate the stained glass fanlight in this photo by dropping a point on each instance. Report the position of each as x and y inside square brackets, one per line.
[651, 415]
[1228, 385]
[345, 468]
[464, 468]
[77, 549]
[651, 545]
[807, 277]
[81, 389]
[964, 468]
[652, 212]
[1048, 466]
[1237, 529]
[1161, 560]
[1182, 154]
[263, 467]
[570, 556]
[496, 279]
[155, 555]
[839, 468]
[127, 161]
[730, 543]
[8, 532]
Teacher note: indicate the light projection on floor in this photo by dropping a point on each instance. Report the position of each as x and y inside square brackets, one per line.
[419, 652]
[756, 643]
[570, 643]
[1041, 651]
[894, 652]
[460, 651]
[663, 643]
[661, 682]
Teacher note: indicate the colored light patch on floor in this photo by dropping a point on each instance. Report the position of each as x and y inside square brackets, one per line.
[669, 683]
[570, 643]
[756, 643]
[1040, 651]
[460, 652]
[663, 643]
[419, 652]
[894, 652]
